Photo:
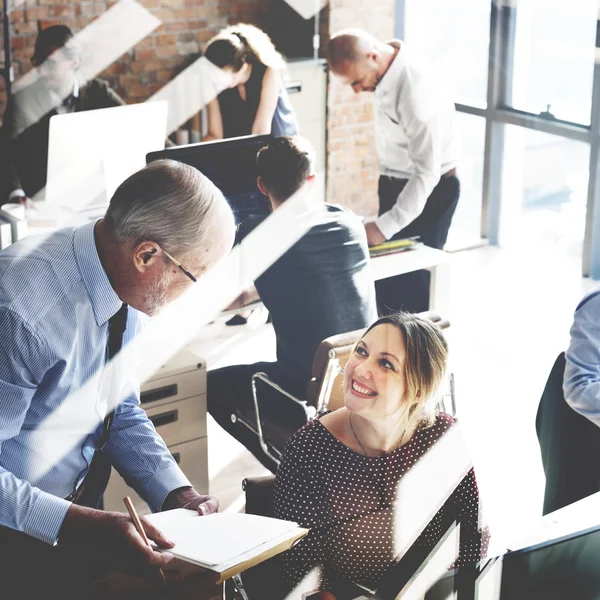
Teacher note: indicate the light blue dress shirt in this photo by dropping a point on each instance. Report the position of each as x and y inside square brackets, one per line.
[55, 303]
[582, 372]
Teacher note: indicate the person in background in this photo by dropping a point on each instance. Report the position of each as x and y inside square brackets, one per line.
[343, 474]
[67, 302]
[256, 101]
[321, 286]
[26, 123]
[582, 371]
[417, 148]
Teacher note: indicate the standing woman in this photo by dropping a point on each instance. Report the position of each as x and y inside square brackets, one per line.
[256, 101]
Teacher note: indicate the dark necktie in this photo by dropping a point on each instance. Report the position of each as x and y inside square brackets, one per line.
[116, 329]
[92, 487]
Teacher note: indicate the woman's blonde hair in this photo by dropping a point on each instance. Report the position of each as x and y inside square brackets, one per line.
[424, 367]
[239, 44]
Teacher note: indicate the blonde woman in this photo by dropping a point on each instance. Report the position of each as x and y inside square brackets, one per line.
[342, 473]
[256, 101]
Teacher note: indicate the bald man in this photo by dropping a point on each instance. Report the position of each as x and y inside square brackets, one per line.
[417, 149]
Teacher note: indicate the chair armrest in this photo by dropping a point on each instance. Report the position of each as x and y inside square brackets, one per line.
[310, 411]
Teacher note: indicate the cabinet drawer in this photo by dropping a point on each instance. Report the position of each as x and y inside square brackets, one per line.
[192, 458]
[180, 421]
[173, 387]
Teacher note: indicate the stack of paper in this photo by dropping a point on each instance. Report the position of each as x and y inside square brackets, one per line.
[226, 543]
[393, 246]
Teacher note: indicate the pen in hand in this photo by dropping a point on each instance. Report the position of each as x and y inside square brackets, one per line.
[140, 529]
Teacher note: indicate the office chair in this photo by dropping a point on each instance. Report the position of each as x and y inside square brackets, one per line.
[279, 414]
[569, 444]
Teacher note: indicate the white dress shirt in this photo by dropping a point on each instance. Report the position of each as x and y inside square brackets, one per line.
[416, 136]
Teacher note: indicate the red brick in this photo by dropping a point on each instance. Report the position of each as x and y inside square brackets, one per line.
[164, 39]
[138, 91]
[166, 51]
[176, 26]
[184, 13]
[61, 10]
[145, 54]
[164, 76]
[17, 41]
[128, 80]
[147, 42]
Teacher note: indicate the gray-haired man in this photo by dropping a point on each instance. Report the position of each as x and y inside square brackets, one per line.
[61, 301]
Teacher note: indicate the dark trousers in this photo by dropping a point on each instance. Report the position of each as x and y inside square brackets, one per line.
[410, 291]
[229, 393]
[569, 444]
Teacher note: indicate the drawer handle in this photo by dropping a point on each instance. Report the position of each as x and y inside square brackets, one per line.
[294, 87]
[158, 393]
[177, 457]
[165, 418]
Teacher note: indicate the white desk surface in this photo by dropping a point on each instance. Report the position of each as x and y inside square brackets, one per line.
[423, 257]
[576, 517]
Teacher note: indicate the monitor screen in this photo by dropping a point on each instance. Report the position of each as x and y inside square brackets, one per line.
[231, 165]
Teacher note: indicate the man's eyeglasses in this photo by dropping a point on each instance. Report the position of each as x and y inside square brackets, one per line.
[178, 264]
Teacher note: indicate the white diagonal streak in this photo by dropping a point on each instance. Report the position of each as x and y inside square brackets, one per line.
[178, 323]
[189, 92]
[112, 34]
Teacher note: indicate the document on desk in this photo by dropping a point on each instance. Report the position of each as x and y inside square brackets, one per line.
[227, 543]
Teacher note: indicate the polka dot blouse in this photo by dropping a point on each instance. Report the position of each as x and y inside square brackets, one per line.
[347, 500]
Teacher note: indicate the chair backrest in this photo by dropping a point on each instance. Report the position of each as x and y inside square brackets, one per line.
[325, 387]
[567, 441]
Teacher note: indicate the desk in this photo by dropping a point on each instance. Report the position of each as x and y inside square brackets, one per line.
[578, 516]
[424, 257]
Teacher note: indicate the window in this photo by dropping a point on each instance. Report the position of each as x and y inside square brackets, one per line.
[554, 50]
[453, 36]
[544, 191]
[466, 224]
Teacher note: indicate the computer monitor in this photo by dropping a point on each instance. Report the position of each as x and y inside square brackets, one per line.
[562, 568]
[91, 153]
[231, 165]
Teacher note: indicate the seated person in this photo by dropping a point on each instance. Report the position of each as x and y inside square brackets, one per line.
[256, 101]
[320, 287]
[343, 474]
[25, 128]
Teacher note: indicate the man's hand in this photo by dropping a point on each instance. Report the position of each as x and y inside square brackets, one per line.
[374, 235]
[114, 536]
[188, 497]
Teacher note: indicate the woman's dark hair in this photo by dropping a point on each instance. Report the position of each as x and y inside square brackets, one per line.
[55, 36]
[240, 44]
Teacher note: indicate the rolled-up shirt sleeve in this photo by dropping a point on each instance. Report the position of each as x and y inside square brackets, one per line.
[140, 455]
[425, 149]
[23, 363]
[582, 371]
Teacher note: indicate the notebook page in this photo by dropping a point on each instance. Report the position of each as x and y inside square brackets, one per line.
[216, 538]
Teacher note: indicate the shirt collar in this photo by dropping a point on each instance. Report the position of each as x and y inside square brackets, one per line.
[104, 299]
[389, 81]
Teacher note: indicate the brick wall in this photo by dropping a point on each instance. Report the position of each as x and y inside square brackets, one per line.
[352, 164]
[187, 25]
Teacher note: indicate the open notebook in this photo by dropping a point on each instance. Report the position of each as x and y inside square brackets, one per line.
[226, 543]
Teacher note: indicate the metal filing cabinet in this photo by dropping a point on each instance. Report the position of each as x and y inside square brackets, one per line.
[306, 82]
[175, 401]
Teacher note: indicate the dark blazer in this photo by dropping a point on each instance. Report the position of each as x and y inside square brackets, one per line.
[24, 146]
